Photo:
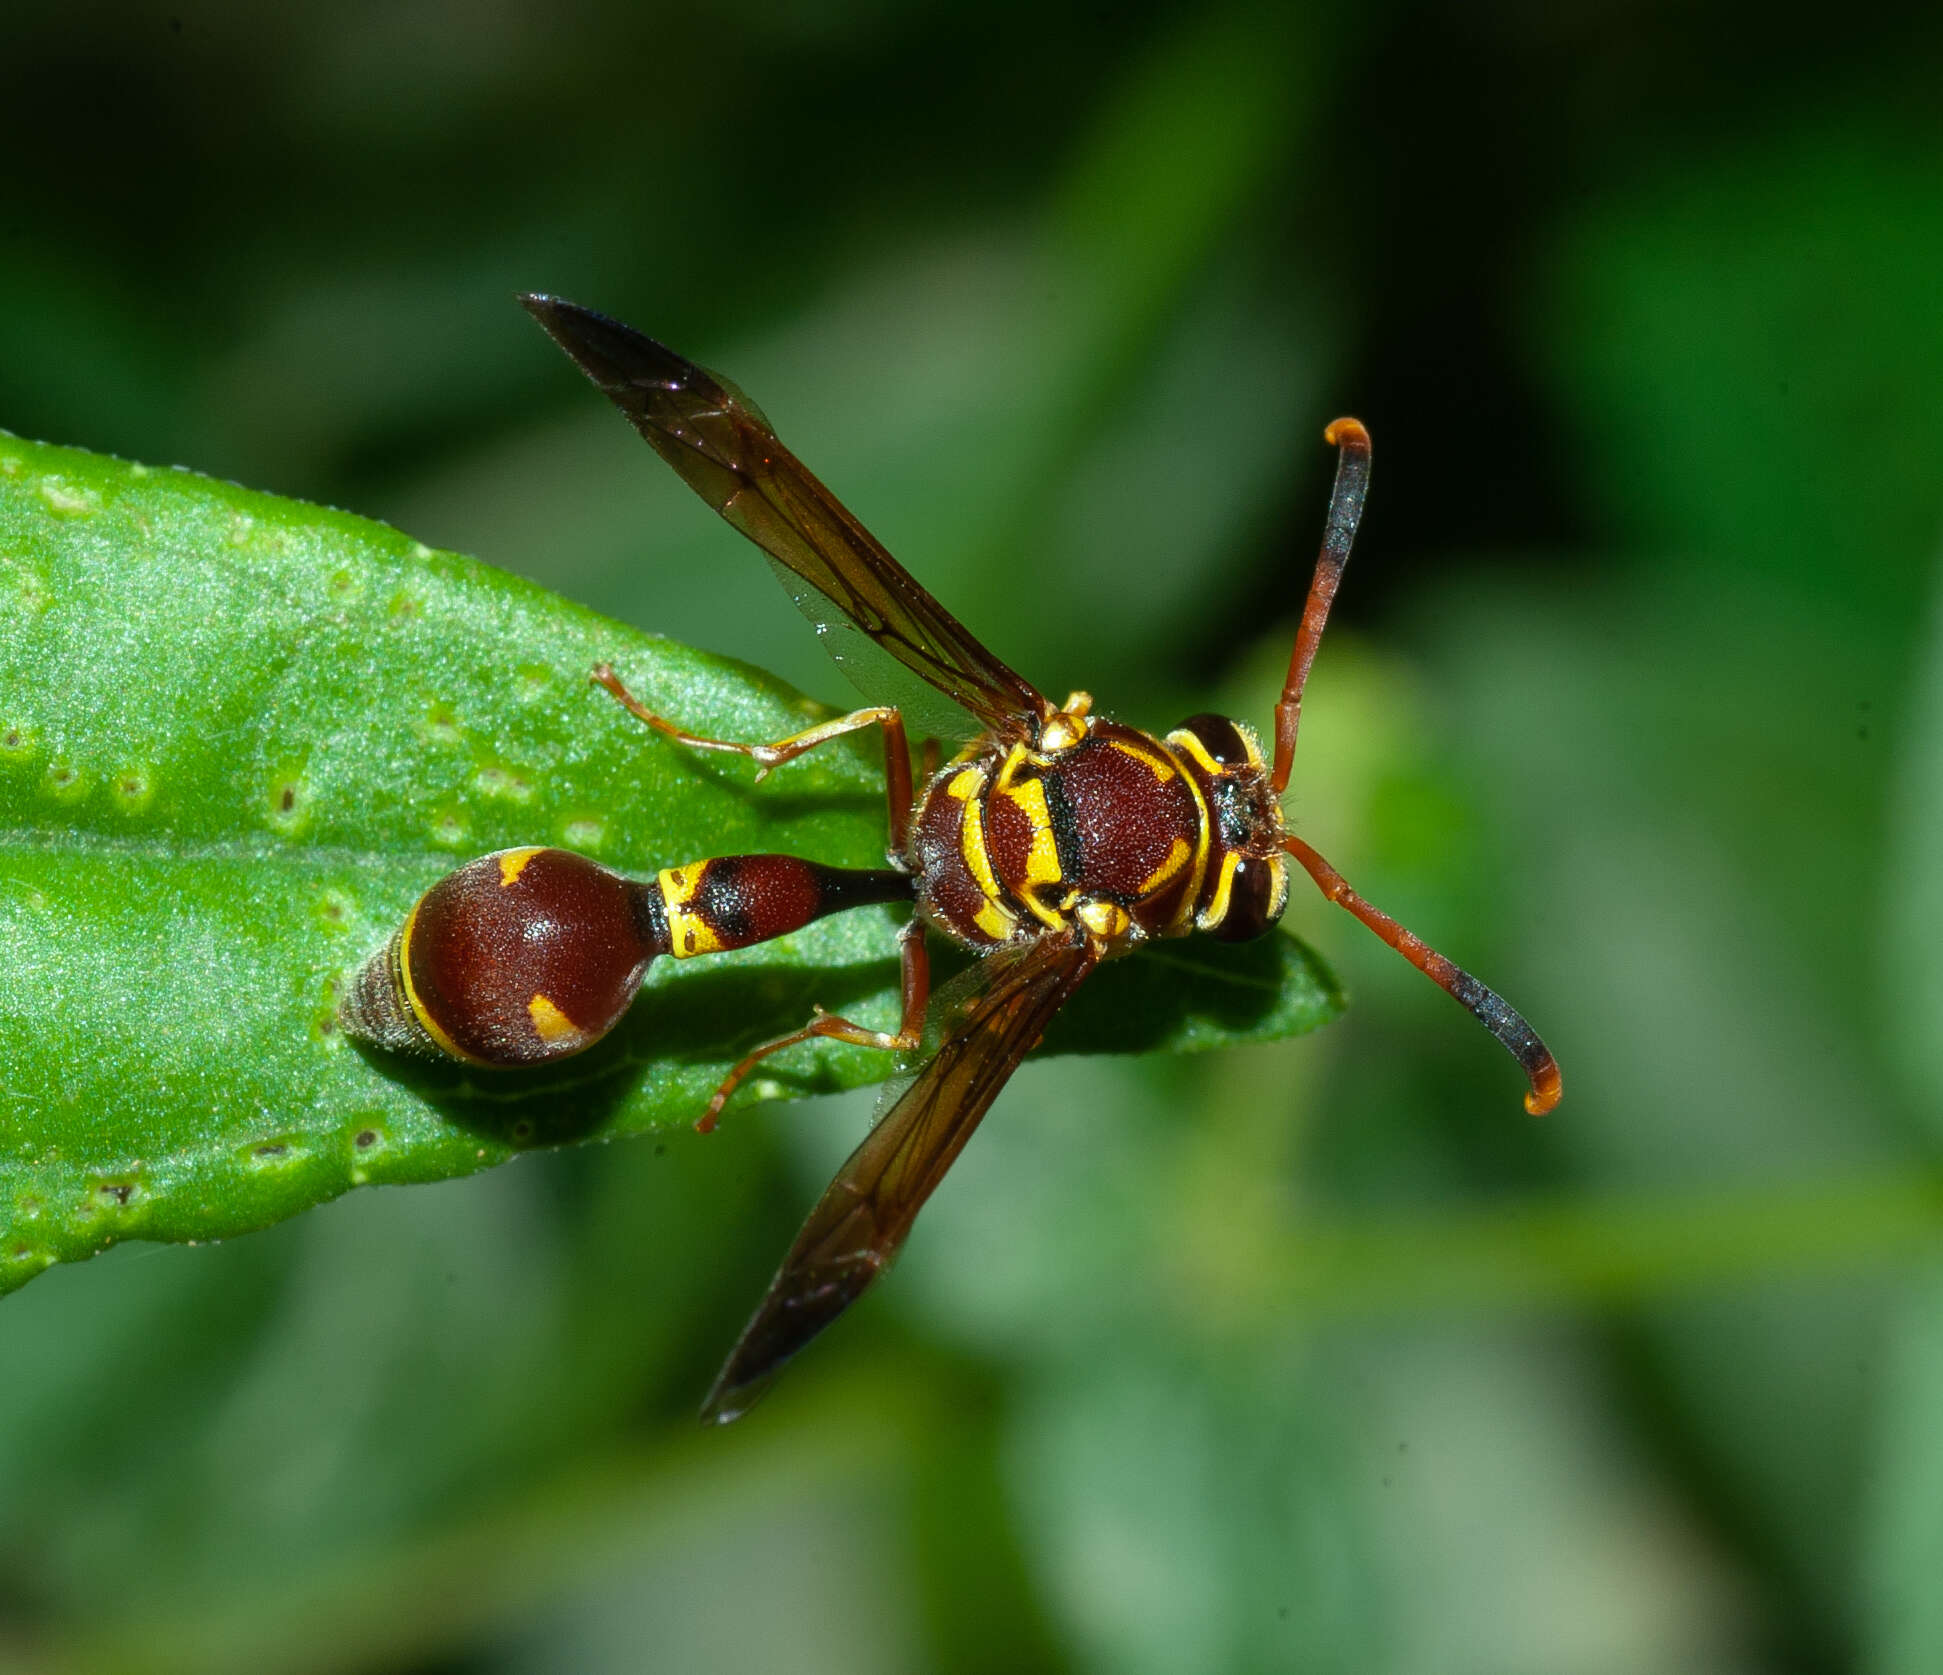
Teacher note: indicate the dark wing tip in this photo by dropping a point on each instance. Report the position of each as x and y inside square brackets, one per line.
[802, 1300]
[728, 1401]
[545, 307]
[614, 355]
[555, 314]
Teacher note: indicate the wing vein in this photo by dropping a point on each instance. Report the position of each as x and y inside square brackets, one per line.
[865, 1214]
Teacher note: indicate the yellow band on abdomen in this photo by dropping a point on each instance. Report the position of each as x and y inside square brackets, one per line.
[688, 932]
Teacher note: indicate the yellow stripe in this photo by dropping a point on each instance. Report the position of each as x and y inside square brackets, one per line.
[1042, 860]
[1177, 856]
[1050, 917]
[1182, 739]
[444, 1042]
[1217, 910]
[993, 917]
[995, 921]
[1278, 898]
[1163, 769]
[513, 862]
[1203, 843]
[688, 933]
[971, 844]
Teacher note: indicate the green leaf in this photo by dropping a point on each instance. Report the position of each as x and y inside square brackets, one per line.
[240, 735]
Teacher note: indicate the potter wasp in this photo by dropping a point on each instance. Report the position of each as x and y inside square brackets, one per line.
[1055, 840]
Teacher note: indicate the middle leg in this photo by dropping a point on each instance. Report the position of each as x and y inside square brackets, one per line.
[914, 966]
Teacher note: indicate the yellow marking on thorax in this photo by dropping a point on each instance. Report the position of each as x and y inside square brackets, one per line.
[996, 921]
[444, 1042]
[1177, 857]
[971, 844]
[1203, 843]
[550, 1024]
[1042, 860]
[993, 917]
[513, 863]
[688, 932]
[1053, 918]
[1163, 770]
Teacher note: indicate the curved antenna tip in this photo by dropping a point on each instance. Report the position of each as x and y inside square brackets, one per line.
[1546, 1088]
[1346, 433]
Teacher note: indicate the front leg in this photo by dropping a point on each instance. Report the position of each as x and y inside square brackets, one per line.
[897, 751]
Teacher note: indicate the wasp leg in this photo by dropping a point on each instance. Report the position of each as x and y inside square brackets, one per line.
[1339, 531]
[897, 752]
[914, 962]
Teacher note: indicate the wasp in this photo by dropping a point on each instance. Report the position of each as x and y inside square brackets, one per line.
[1055, 840]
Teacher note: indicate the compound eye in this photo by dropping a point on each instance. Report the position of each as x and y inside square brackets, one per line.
[1221, 738]
[1256, 897]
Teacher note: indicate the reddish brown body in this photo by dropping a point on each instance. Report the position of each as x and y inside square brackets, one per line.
[1117, 833]
[529, 955]
[1057, 840]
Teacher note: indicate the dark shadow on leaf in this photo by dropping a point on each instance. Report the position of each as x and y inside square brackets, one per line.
[1171, 996]
[703, 1018]
[1187, 994]
[714, 1015]
[774, 802]
[778, 807]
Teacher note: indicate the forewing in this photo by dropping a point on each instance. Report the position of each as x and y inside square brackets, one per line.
[861, 1221]
[726, 451]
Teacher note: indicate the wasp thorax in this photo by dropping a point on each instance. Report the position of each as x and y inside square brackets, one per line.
[516, 958]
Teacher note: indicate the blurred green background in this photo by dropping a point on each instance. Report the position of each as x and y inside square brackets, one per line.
[1320, 1357]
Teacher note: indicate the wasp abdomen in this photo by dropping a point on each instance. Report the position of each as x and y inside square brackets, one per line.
[732, 901]
[534, 954]
[516, 958]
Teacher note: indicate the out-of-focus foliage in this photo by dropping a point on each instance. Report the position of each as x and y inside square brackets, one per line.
[1319, 1356]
